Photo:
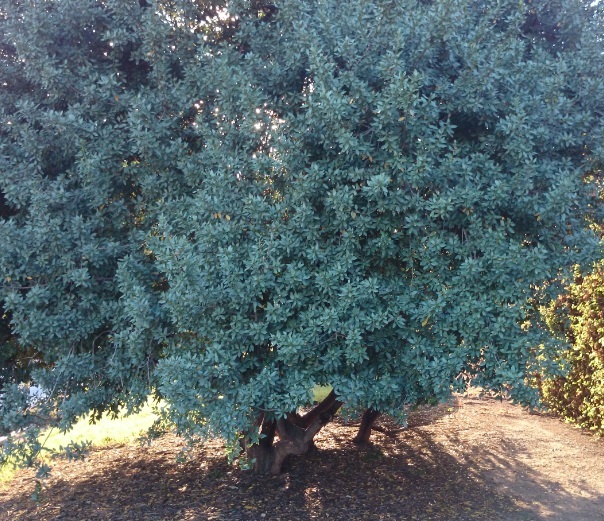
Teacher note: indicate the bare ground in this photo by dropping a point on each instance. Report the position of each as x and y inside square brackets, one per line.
[479, 459]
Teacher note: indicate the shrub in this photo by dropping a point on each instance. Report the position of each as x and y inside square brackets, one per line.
[579, 316]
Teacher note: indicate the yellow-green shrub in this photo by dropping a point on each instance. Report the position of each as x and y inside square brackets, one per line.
[579, 315]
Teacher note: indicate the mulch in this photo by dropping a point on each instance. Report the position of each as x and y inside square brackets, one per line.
[405, 475]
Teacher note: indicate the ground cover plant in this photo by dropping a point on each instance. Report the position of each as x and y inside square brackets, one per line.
[225, 204]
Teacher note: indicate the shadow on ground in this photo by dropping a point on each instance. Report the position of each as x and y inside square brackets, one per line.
[407, 477]
[431, 471]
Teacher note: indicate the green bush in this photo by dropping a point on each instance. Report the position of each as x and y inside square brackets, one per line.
[579, 315]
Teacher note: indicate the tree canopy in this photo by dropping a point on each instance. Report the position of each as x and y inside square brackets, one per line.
[226, 203]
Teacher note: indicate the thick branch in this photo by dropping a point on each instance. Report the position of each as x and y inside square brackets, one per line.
[367, 421]
[328, 408]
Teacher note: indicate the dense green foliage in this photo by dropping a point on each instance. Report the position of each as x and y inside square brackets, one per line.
[578, 395]
[227, 203]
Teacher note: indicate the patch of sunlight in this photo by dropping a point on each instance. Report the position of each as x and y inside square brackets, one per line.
[320, 392]
[104, 432]
[6, 473]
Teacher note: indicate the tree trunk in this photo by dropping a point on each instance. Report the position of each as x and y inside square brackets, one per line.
[262, 453]
[296, 434]
[367, 421]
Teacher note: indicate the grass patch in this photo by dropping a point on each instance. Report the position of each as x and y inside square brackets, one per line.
[104, 432]
[6, 473]
[320, 392]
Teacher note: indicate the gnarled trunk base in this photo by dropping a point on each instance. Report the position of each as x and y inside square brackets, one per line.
[295, 432]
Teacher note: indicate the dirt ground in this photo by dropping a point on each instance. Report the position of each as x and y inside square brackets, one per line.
[478, 459]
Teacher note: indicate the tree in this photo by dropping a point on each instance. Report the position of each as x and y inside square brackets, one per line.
[225, 204]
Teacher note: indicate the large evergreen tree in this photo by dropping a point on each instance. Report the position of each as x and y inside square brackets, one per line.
[227, 203]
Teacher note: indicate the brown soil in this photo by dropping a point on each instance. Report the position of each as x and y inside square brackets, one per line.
[479, 459]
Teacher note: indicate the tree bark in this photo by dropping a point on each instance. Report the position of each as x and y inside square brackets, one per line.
[296, 434]
[327, 408]
[367, 421]
[262, 453]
